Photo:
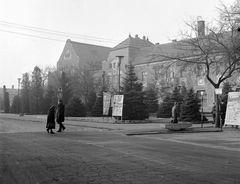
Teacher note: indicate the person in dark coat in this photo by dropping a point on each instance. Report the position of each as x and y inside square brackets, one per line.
[175, 113]
[214, 112]
[223, 108]
[60, 116]
[51, 119]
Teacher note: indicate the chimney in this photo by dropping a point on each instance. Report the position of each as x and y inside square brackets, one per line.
[12, 86]
[156, 43]
[201, 27]
[136, 36]
[144, 37]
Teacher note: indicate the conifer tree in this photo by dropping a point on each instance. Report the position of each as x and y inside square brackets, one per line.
[6, 100]
[190, 107]
[25, 93]
[75, 108]
[97, 110]
[165, 108]
[36, 95]
[176, 96]
[152, 100]
[50, 98]
[15, 104]
[135, 101]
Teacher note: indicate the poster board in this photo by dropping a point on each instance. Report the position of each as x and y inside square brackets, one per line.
[117, 105]
[106, 103]
[233, 109]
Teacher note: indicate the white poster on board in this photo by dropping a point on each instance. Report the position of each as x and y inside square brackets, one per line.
[233, 109]
[117, 105]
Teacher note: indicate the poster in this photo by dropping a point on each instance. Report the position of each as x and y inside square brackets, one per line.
[117, 105]
[106, 103]
[233, 109]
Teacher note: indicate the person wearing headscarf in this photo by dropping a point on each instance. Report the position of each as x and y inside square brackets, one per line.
[51, 119]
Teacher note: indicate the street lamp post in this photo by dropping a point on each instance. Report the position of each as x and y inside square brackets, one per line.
[119, 64]
[202, 93]
[18, 101]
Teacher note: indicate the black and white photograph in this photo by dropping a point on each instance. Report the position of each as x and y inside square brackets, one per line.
[119, 91]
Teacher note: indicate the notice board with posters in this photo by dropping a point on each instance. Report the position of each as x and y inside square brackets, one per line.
[106, 103]
[117, 105]
[233, 109]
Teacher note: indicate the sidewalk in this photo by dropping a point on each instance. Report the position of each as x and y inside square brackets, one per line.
[155, 127]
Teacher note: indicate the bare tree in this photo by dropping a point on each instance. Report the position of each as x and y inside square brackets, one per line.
[216, 53]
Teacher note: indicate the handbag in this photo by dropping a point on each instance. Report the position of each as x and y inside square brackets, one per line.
[51, 125]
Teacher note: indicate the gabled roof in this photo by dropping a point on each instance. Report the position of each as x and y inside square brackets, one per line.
[134, 42]
[161, 52]
[90, 52]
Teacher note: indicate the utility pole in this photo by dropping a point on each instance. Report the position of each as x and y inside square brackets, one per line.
[119, 65]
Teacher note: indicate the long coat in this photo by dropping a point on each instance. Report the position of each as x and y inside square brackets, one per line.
[60, 113]
[51, 118]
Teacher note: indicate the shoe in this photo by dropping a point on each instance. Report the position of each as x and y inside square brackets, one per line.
[64, 128]
[52, 133]
[59, 131]
[47, 130]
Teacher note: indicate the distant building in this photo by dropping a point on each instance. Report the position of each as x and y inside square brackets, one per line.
[82, 55]
[12, 92]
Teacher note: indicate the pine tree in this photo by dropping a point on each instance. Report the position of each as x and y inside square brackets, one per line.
[75, 108]
[165, 108]
[152, 100]
[176, 96]
[135, 100]
[97, 110]
[50, 98]
[6, 100]
[190, 107]
[36, 94]
[15, 104]
[25, 93]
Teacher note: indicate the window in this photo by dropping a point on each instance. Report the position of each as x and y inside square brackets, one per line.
[67, 55]
[144, 76]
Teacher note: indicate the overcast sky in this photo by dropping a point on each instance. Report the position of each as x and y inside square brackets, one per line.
[34, 32]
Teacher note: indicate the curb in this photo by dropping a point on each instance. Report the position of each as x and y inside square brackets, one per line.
[189, 130]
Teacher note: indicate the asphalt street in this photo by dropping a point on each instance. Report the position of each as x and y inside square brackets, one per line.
[109, 156]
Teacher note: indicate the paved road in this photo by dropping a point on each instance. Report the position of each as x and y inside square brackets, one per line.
[112, 157]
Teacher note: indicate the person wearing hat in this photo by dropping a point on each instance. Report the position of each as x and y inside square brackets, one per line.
[60, 116]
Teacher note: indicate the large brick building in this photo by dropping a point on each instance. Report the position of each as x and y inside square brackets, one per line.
[150, 66]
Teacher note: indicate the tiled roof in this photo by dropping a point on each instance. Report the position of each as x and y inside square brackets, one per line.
[133, 42]
[90, 52]
[163, 52]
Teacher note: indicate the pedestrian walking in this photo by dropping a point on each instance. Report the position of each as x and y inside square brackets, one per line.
[51, 119]
[223, 108]
[213, 113]
[175, 113]
[60, 116]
